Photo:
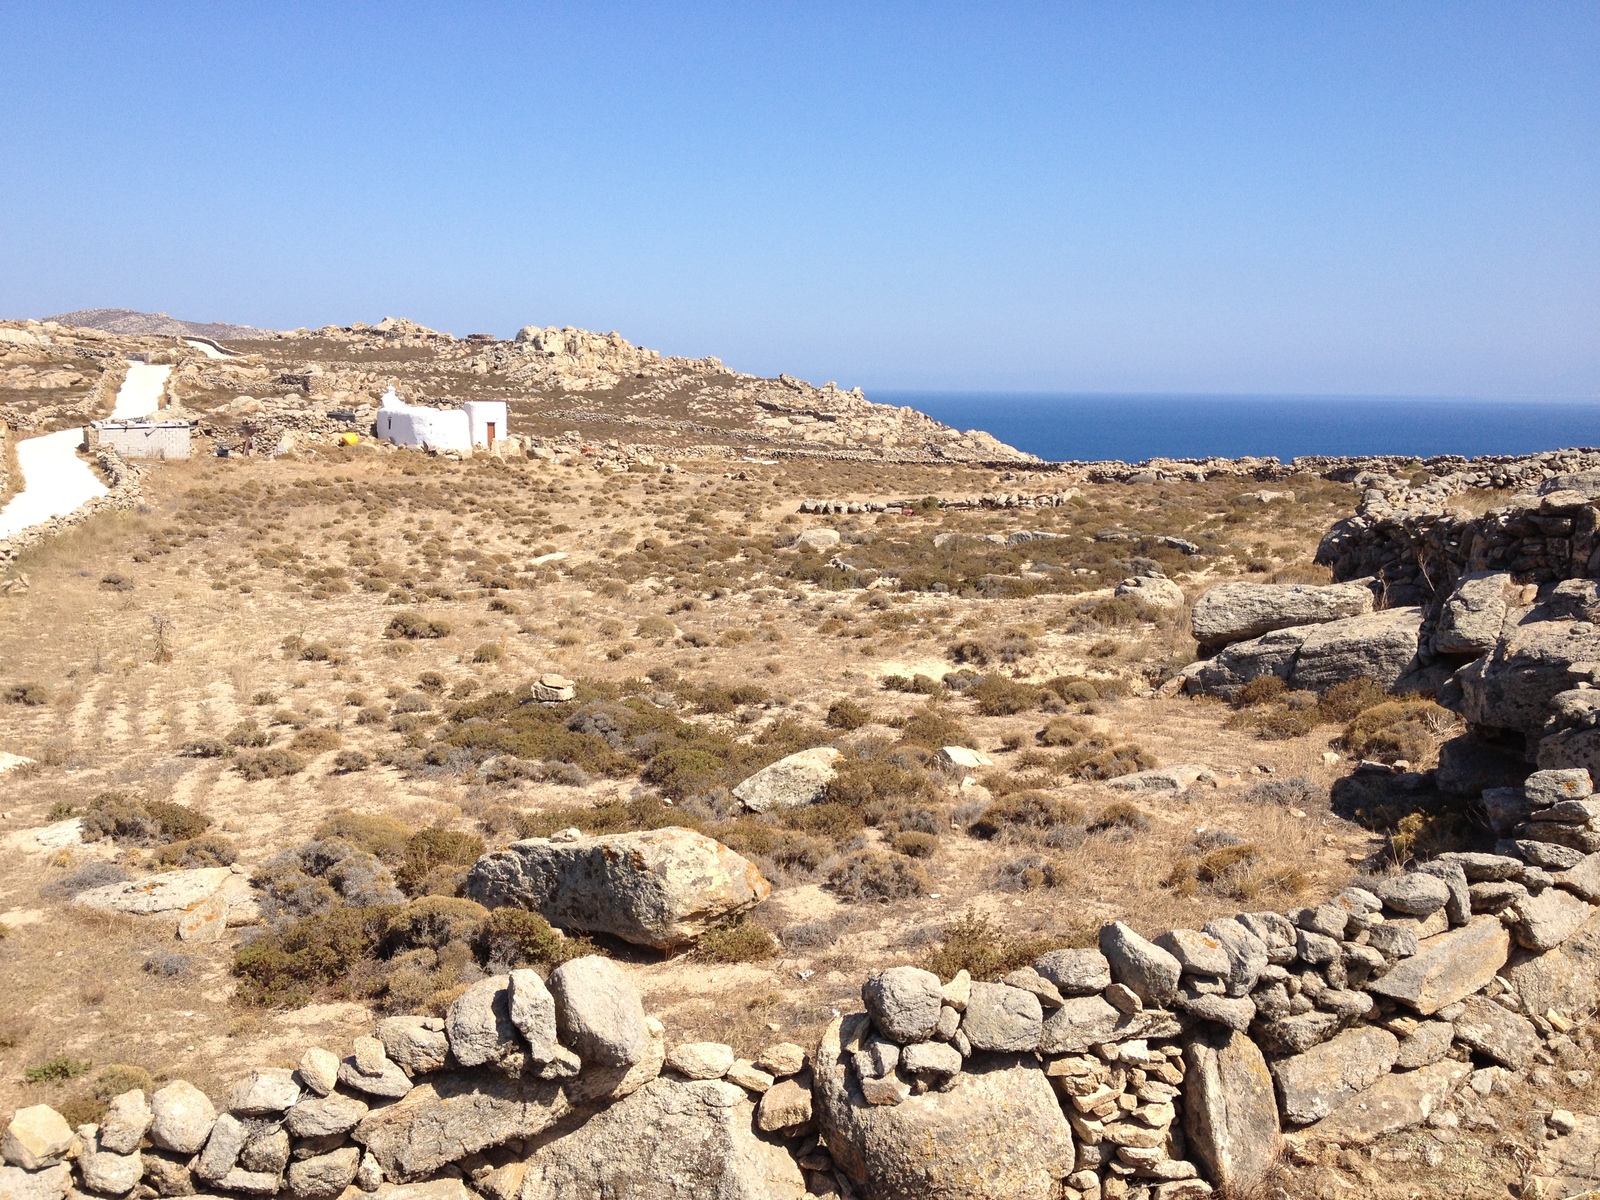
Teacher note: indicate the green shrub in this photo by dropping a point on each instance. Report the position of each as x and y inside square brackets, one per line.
[56, 1070]
[379, 835]
[432, 848]
[1031, 874]
[1343, 702]
[740, 940]
[1397, 729]
[997, 696]
[289, 967]
[847, 714]
[129, 820]
[269, 764]
[859, 781]
[514, 937]
[655, 628]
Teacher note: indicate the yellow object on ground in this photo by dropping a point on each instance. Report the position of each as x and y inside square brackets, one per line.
[349, 439]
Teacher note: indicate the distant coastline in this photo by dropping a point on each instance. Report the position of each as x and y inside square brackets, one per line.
[1086, 426]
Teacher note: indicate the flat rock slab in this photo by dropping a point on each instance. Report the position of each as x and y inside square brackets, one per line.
[661, 887]
[1230, 1110]
[454, 1115]
[171, 891]
[791, 782]
[1313, 1084]
[1232, 612]
[1163, 779]
[1448, 966]
[1398, 1101]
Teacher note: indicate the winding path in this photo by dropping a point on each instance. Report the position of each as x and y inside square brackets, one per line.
[55, 481]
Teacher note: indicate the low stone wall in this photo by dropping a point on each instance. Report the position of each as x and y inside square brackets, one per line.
[1141, 1069]
[126, 492]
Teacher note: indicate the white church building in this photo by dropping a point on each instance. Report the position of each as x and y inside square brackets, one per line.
[475, 423]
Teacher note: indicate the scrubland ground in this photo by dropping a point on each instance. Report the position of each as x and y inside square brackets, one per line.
[333, 645]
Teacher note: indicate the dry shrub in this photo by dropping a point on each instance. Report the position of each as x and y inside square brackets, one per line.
[414, 626]
[205, 748]
[269, 764]
[131, 821]
[740, 940]
[316, 740]
[1030, 874]
[655, 628]
[379, 835]
[90, 875]
[1343, 702]
[348, 761]
[932, 727]
[429, 850]
[978, 946]
[874, 875]
[1263, 689]
[1026, 816]
[316, 876]
[207, 850]
[1298, 791]
[514, 937]
[915, 843]
[1278, 723]
[1065, 731]
[847, 714]
[1398, 729]
[488, 652]
[1120, 816]
[920, 685]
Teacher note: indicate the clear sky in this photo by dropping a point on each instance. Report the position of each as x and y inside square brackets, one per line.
[1392, 198]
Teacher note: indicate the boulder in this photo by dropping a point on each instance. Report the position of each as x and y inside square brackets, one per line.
[662, 888]
[964, 757]
[817, 539]
[205, 920]
[325, 1175]
[181, 1117]
[479, 1026]
[1152, 590]
[1496, 1032]
[1380, 646]
[264, 1092]
[598, 1012]
[454, 1114]
[791, 782]
[1163, 779]
[1197, 953]
[37, 1137]
[1511, 687]
[1549, 787]
[1230, 1112]
[1223, 675]
[1150, 972]
[1313, 1084]
[221, 1152]
[388, 1081]
[904, 1003]
[997, 1133]
[1233, 612]
[127, 1120]
[1075, 972]
[1427, 1043]
[418, 1044]
[1447, 967]
[1475, 612]
[697, 1134]
[1002, 1018]
[48, 1183]
[1546, 919]
[1246, 954]
[1399, 1101]
[597, 1083]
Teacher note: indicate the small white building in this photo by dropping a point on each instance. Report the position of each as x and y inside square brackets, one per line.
[476, 423]
[137, 438]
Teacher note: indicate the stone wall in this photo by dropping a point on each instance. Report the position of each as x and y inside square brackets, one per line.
[1139, 1069]
[126, 492]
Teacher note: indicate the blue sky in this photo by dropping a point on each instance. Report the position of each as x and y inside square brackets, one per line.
[1385, 198]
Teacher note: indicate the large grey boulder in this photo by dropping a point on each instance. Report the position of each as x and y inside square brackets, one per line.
[1150, 972]
[1511, 687]
[1233, 612]
[1224, 674]
[454, 1114]
[904, 1003]
[1448, 966]
[659, 887]
[1313, 1084]
[1380, 646]
[1230, 1110]
[598, 1012]
[688, 1139]
[801, 778]
[997, 1133]
[1475, 613]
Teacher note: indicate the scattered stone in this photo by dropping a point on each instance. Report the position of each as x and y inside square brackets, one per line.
[48, 1183]
[479, 1026]
[319, 1070]
[964, 757]
[662, 888]
[1197, 953]
[324, 1116]
[904, 1002]
[1029, 980]
[1426, 1044]
[791, 782]
[956, 992]
[1403, 1100]
[551, 688]
[107, 1172]
[598, 1012]
[390, 1082]
[1545, 788]
[782, 1059]
[221, 1153]
[931, 1058]
[205, 920]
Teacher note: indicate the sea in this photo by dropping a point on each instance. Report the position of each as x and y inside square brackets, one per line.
[1091, 427]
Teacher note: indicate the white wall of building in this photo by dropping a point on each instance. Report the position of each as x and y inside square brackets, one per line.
[483, 413]
[416, 425]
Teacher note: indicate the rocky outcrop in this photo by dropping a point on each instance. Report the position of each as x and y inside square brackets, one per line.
[661, 887]
[1233, 612]
[1380, 646]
